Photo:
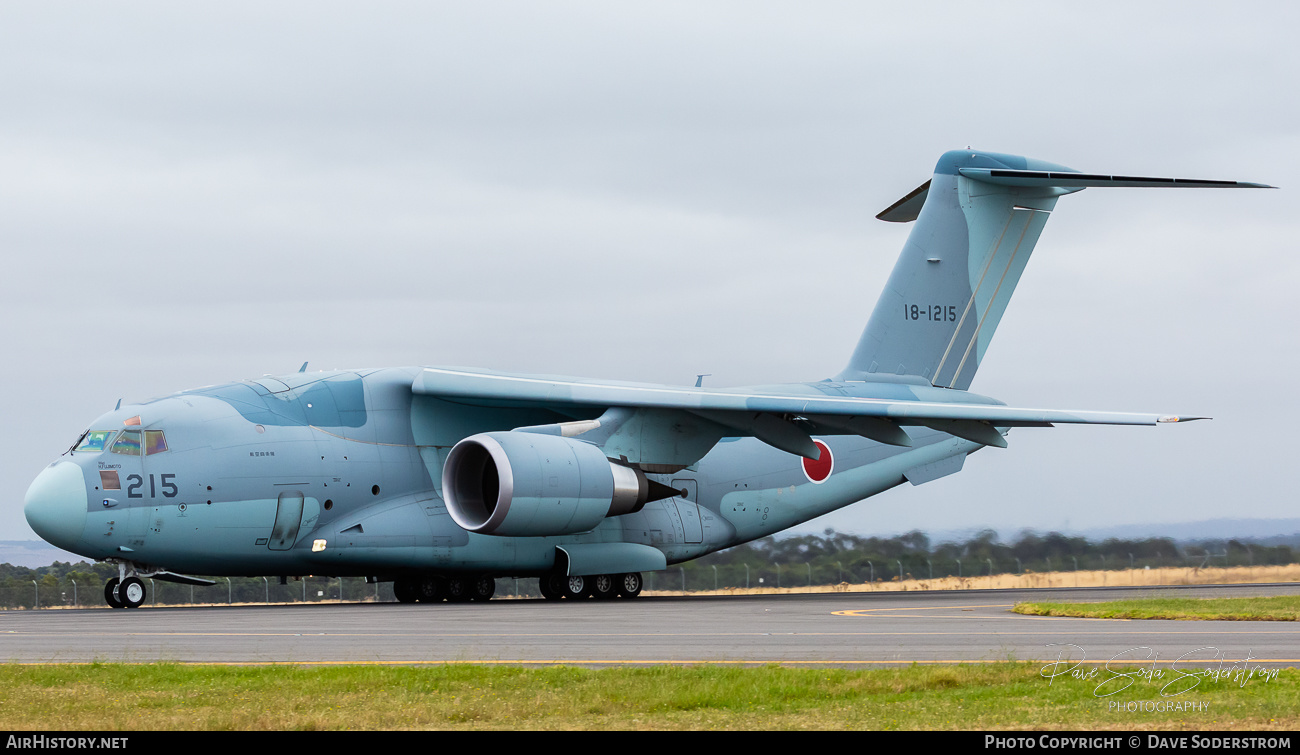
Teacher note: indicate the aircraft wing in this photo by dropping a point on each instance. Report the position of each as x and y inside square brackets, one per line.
[781, 418]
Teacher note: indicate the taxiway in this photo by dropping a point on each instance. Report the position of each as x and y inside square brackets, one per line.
[845, 629]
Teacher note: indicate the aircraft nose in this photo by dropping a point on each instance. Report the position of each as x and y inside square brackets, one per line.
[56, 504]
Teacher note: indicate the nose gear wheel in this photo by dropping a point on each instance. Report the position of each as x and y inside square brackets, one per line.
[110, 593]
[131, 592]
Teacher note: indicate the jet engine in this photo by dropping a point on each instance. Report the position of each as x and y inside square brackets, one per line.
[521, 484]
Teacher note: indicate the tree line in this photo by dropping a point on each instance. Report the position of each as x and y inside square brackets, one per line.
[835, 557]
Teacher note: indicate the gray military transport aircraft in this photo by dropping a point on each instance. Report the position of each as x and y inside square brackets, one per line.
[442, 479]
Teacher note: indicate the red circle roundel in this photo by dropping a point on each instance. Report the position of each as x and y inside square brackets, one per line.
[820, 469]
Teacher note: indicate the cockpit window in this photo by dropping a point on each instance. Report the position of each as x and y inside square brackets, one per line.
[128, 443]
[95, 440]
[154, 442]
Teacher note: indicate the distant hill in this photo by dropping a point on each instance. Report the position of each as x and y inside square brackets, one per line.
[33, 553]
[1262, 531]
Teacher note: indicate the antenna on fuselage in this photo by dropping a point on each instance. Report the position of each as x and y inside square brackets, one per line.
[119, 405]
[303, 368]
[699, 379]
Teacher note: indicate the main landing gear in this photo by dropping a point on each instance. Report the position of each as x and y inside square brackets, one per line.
[477, 587]
[437, 588]
[599, 586]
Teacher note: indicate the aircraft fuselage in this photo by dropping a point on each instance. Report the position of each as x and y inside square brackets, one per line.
[256, 474]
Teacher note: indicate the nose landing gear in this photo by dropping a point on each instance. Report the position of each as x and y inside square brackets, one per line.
[110, 593]
[131, 592]
[124, 593]
[125, 590]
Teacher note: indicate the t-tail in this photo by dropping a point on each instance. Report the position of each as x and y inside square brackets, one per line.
[977, 221]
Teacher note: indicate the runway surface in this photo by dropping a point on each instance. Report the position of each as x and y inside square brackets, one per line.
[842, 629]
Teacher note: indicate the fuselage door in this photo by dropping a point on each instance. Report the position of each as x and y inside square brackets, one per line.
[130, 500]
[288, 518]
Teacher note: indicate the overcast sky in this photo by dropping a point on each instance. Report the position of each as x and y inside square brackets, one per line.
[194, 193]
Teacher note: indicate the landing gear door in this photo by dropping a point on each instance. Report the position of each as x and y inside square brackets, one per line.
[288, 518]
[687, 495]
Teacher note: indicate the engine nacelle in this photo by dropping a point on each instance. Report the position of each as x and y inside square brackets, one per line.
[533, 485]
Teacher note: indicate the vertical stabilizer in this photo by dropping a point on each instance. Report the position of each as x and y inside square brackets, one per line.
[961, 263]
[977, 221]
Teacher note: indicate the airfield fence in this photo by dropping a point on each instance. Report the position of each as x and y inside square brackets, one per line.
[831, 559]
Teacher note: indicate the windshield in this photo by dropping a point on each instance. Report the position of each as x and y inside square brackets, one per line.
[128, 443]
[95, 440]
[154, 442]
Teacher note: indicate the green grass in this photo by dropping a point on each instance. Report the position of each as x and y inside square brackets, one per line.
[1279, 608]
[1009, 695]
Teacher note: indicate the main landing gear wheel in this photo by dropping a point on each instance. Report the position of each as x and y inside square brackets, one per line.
[629, 585]
[131, 592]
[110, 593]
[431, 590]
[482, 587]
[458, 589]
[549, 586]
[404, 591]
[603, 587]
[573, 587]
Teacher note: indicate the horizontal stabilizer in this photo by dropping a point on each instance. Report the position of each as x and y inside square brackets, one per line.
[908, 208]
[1069, 180]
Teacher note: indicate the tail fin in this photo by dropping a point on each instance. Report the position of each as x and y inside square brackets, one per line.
[977, 221]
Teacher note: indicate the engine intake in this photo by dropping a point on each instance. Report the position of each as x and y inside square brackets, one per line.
[520, 484]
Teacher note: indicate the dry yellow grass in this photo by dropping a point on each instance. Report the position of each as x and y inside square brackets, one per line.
[1131, 577]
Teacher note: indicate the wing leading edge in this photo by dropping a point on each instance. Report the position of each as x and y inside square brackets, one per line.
[780, 417]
